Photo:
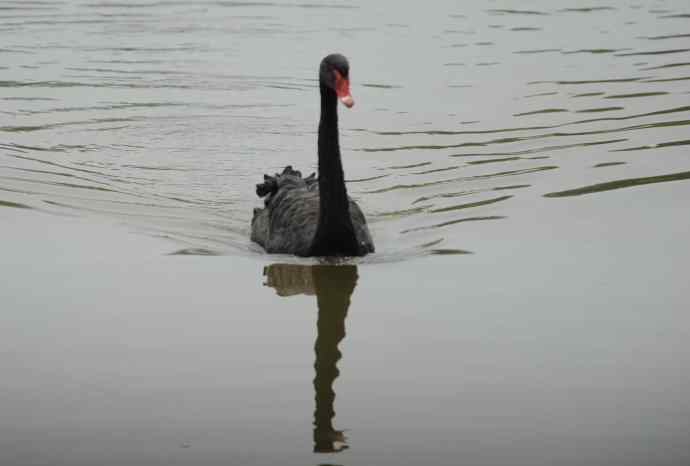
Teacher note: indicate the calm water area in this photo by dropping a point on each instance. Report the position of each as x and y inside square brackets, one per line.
[525, 171]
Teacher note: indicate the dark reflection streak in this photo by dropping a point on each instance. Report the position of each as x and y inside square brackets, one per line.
[471, 204]
[402, 213]
[99, 107]
[498, 11]
[538, 136]
[122, 213]
[453, 133]
[59, 183]
[55, 164]
[333, 286]
[527, 52]
[30, 99]
[21, 191]
[53, 173]
[16, 205]
[588, 94]
[666, 80]
[53, 22]
[529, 128]
[593, 51]
[654, 52]
[95, 121]
[540, 94]
[670, 36]
[454, 222]
[599, 109]
[464, 179]
[371, 178]
[4, 50]
[538, 149]
[55, 84]
[656, 146]
[636, 95]
[98, 188]
[586, 9]
[545, 110]
[436, 170]
[618, 184]
[485, 161]
[414, 165]
[630, 117]
[458, 194]
[589, 81]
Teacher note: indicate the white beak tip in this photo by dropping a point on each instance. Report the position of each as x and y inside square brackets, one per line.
[348, 101]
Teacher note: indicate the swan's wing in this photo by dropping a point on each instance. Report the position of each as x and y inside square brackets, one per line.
[288, 223]
[294, 215]
[361, 229]
[260, 222]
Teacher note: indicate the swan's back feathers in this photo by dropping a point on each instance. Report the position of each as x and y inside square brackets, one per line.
[289, 179]
[288, 221]
[287, 224]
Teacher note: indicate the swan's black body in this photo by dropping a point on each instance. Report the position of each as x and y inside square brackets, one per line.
[310, 216]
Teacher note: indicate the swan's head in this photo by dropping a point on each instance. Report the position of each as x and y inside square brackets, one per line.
[335, 74]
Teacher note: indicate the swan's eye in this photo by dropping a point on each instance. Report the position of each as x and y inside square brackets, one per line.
[342, 89]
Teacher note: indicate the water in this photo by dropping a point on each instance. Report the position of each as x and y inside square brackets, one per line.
[525, 173]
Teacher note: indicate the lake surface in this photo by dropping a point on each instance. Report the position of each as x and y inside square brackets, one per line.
[525, 171]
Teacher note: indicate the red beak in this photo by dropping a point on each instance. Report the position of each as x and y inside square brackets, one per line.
[342, 90]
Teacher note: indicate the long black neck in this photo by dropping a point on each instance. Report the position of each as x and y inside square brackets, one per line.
[334, 234]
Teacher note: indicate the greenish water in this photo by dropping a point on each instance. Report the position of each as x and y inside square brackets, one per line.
[524, 169]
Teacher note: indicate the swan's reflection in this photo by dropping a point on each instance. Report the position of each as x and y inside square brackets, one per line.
[333, 285]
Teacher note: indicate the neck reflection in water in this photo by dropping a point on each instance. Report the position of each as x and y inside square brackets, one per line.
[333, 285]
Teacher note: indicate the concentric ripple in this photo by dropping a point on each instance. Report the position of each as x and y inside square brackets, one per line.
[163, 115]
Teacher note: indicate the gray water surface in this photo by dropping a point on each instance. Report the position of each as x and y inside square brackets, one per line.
[524, 168]
[165, 115]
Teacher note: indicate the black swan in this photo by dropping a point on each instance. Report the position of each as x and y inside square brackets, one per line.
[310, 216]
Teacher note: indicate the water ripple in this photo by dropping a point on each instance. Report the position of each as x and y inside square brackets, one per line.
[164, 114]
